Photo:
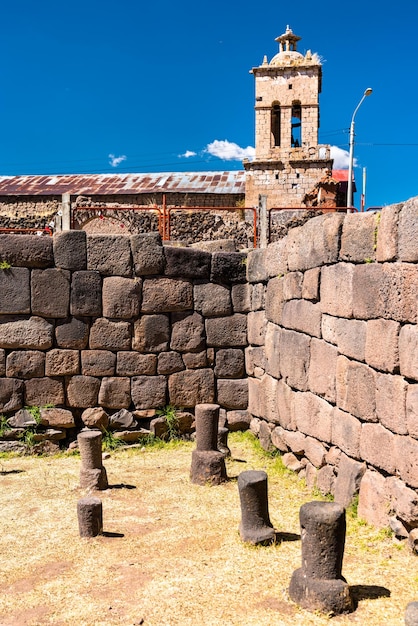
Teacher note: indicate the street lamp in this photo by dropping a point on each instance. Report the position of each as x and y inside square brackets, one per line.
[351, 156]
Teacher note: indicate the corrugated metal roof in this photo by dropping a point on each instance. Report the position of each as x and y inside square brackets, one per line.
[120, 184]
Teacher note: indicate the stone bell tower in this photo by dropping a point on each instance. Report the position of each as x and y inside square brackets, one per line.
[288, 161]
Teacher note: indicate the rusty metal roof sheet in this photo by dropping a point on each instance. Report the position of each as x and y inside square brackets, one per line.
[119, 184]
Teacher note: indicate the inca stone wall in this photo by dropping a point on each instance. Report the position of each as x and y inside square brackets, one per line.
[333, 357]
[115, 322]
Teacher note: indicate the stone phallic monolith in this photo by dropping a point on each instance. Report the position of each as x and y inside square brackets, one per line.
[92, 473]
[318, 585]
[411, 614]
[208, 464]
[255, 526]
[90, 517]
[223, 441]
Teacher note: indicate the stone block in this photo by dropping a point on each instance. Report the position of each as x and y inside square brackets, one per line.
[121, 420]
[50, 292]
[373, 503]
[25, 364]
[109, 335]
[382, 345]
[325, 480]
[255, 398]
[238, 420]
[233, 393]
[346, 432]
[187, 332]
[292, 285]
[110, 255]
[408, 351]
[274, 300]
[86, 294]
[391, 402]
[315, 452]
[294, 440]
[70, 250]
[255, 359]
[387, 234]
[191, 387]
[337, 290]
[160, 295]
[2, 362]
[27, 250]
[150, 392]
[148, 254]
[412, 410]
[313, 416]
[11, 394]
[406, 456]
[195, 360]
[136, 364]
[229, 363]
[187, 262]
[169, 362]
[151, 333]
[212, 300]
[14, 291]
[347, 483]
[310, 284]
[121, 297]
[115, 392]
[256, 327]
[227, 331]
[303, 316]
[286, 405]
[377, 447]
[98, 362]
[358, 238]
[356, 389]
[291, 461]
[403, 500]
[294, 359]
[315, 243]
[42, 391]
[322, 369]
[351, 338]
[241, 298]
[264, 436]
[82, 391]
[229, 267]
[277, 439]
[408, 232]
[95, 417]
[329, 329]
[258, 293]
[269, 390]
[276, 258]
[273, 350]
[34, 333]
[57, 418]
[72, 333]
[60, 362]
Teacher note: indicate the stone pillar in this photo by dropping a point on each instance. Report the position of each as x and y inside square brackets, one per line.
[208, 464]
[223, 441]
[255, 524]
[92, 473]
[318, 585]
[90, 517]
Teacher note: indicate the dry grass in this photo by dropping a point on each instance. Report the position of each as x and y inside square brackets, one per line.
[171, 553]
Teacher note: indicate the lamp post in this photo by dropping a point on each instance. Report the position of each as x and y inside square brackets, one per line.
[351, 155]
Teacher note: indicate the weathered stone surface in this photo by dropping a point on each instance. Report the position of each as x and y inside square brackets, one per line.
[72, 333]
[148, 254]
[257, 270]
[207, 467]
[238, 420]
[277, 439]
[276, 258]
[303, 316]
[233, 393]
[27, 250]
[329, 328]
[256, 327]
[315, 452]
[273, 349]
[412, 410]
[191, 387]
[255, 359]
[292, 285]
[258, 293]
[286, 405]
[212, 300]
[50, 292]
[229, 363]
[310, 285]
[11, 394]
[109, 335]
[295, 440]
[227, 331]
[387, 234]
[403, 500]
[325, 479]
[241, 298]
[14, 291]
[115, 392]
[42, 391]
[82, 391]
[151, 333]
[25, 364]
[346, 432]
[408, 351]
[70, 250]
[169, 362]
[406, 459]
[356, 389]
[57, 418]
[359, 237]
[150, 392]
[34, 333]
[98, 363]
[391, 402]
[86, 294]
[229, 267]
[382, 344]
[2, 362]
[274, 300]
[121, 297]
[121, 420]
[373, 503]
[187, 262]
[60, 362]
[187, 332]
[291, 461]
[136, 364]
[109, 254]
[269, 390]
[348, 480]
[161, 295]
[195, 360]
[315, 243]
[408, 232]
[337, 290]
[313, 416]
[264, 436]
[377, 447]
[294, 358]
[350, 337]
[95, 417]
[322, 369]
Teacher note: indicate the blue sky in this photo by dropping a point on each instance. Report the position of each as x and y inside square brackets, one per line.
[131, 86]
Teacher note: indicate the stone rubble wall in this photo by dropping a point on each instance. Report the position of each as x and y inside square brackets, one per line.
[333, 358]
[109, 323]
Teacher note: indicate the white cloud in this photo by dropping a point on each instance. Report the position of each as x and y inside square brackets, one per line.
[187, 154]
[229, 151]
[341, 158]
[116, 160]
